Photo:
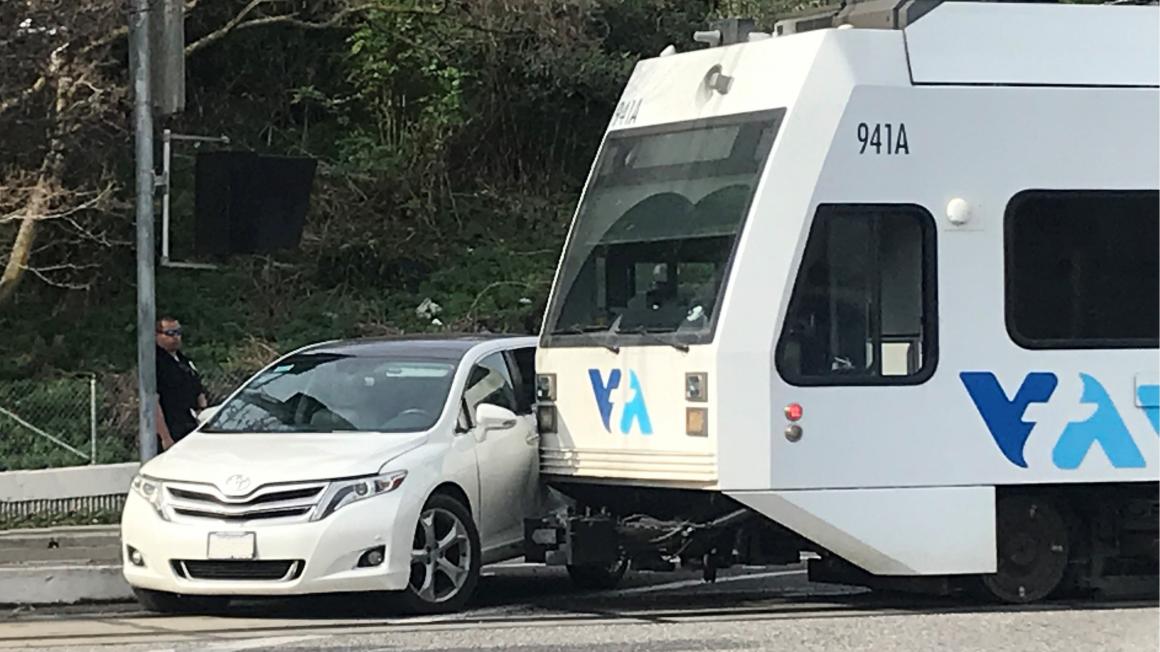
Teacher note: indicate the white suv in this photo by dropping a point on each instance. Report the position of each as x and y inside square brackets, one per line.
[369, 465]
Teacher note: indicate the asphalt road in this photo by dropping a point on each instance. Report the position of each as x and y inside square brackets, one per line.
[532, 609]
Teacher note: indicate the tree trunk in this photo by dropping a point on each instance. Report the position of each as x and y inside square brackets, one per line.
[22, 248]
[41, 199]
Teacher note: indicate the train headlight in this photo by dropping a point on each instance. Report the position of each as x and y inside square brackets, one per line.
[697, 386]
[546, 387]
[546, 418]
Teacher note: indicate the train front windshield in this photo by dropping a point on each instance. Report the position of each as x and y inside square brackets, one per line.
[656, 230]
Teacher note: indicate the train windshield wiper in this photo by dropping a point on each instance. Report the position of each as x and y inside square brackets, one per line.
[649, 334]
[589, 332]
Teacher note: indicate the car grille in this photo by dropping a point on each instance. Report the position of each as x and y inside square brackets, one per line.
[199, 501]
[269, 570]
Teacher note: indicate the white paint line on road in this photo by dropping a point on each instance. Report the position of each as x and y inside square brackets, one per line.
[240, 644]
[252, 643]
[684, 584]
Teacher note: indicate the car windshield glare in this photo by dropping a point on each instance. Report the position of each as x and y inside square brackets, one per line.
[329, 392]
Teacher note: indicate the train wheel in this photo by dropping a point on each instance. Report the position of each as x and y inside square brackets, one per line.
[1033, 549]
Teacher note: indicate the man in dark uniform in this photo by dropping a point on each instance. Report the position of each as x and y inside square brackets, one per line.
[179, 388]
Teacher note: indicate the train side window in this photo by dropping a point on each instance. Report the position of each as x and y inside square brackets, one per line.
[863, 309]
[1083, 269]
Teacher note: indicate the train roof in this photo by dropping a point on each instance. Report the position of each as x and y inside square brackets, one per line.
[1033, 44]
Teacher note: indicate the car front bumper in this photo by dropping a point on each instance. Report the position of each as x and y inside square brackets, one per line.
[318, 557]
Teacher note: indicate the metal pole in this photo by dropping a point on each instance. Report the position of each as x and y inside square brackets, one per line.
[93, 419]
[165, 154]
[146, 308]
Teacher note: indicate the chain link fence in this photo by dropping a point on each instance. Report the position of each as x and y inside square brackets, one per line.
[78, 419]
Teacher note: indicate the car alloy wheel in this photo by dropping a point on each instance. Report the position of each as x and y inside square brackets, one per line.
[444, 557]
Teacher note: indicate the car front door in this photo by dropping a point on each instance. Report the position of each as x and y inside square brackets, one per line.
[507, 457]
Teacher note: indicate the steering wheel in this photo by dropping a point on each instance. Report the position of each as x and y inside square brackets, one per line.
[408, 411]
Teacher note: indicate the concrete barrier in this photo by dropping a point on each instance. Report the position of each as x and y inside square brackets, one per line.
[46, 584]
[68, 490]
[61, 565]
[65, 565]
[67, 482]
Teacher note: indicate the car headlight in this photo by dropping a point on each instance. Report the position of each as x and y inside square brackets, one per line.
[341, 493]
[152, 491]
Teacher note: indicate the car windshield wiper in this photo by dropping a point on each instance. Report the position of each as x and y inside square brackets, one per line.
[589, 333]
[649, 334]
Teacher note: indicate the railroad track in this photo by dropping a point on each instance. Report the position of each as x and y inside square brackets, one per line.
[314, 622]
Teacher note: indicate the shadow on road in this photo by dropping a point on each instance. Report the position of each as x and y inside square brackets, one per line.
[511, 598]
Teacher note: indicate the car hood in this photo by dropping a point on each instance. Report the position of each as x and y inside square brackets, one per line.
[269, 458]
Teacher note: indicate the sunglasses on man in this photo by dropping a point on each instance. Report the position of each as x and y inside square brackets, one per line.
[171, 332]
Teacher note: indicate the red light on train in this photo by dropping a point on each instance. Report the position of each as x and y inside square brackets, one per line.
[793, 411]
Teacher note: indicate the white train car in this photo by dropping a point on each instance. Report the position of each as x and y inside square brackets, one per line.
[890, 295]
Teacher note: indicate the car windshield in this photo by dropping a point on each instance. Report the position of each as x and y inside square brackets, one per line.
[656, 229]
[329, 392]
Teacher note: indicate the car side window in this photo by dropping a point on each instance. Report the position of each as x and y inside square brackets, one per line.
[490, 382]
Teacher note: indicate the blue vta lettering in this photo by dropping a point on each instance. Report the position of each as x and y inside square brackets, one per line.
[1149, 397]
[634, 410]
[1003, 416]
[1104, 426]
[603, 392]
[1004, 419]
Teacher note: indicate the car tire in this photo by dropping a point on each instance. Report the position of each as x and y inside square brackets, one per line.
[431, 588]
[173, 603]
[592, 577]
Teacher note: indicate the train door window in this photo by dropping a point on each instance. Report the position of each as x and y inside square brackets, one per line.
[1083, 269]
[863, 305]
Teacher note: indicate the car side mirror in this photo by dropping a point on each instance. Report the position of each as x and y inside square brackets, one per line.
[207, 414]
[494, 417]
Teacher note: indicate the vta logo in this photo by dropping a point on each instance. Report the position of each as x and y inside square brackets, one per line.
[1004, 418]
[634, 408]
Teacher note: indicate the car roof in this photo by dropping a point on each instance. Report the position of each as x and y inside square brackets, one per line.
[447, 346]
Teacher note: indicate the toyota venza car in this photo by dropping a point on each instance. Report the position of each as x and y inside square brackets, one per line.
[389, 465]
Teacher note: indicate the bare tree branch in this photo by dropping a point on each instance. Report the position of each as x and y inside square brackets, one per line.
[66, 266]
[224, 30]
[293, 20]
[57, 284]
[24, 95]
[21, 215]
[54, 63]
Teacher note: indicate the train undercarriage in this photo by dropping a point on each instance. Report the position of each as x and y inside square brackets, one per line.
[1058, 541]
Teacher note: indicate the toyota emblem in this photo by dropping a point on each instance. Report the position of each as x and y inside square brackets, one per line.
[237, 484]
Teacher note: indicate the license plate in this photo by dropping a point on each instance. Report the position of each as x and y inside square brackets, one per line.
[231, 545]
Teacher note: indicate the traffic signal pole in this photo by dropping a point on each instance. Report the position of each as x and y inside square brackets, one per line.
[146, 293]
